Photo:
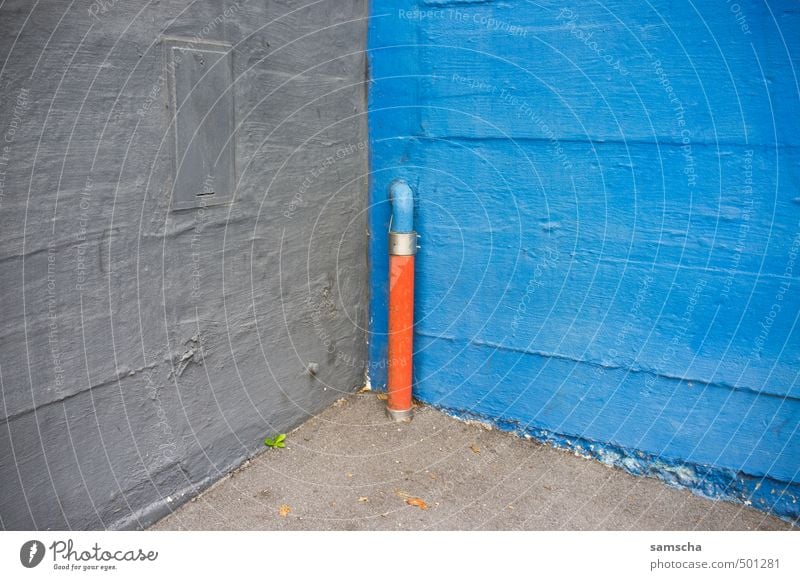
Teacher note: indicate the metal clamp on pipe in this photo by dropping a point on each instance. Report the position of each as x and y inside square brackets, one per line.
[402, 244]
[402, 248]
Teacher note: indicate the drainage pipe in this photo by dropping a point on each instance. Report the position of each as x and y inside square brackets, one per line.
[402, 247]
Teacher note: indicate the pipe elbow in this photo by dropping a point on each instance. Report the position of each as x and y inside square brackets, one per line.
[402, 199]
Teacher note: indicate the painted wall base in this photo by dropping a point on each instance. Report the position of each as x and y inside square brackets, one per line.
[778, 498]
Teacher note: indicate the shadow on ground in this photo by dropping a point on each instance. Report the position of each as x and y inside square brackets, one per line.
[349, 468]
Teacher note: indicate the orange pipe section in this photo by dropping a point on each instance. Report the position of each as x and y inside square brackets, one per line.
[401, 331]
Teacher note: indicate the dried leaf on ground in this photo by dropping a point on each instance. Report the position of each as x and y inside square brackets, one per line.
[284, 510]
[363, 498]
[475, 448]
[415, 501]
[383, 396]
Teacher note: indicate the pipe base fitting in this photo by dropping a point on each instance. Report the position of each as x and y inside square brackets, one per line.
[400, 416]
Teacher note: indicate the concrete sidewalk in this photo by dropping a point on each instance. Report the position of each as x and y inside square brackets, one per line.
[349, 468]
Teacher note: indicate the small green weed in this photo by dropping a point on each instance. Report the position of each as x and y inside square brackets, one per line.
[276, 441]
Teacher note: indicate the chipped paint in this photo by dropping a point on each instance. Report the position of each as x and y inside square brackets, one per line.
[778, 498]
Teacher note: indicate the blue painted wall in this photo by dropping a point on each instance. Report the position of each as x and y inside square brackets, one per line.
[608, 200]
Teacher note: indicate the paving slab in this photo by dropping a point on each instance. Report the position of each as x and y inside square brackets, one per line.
[350, 468]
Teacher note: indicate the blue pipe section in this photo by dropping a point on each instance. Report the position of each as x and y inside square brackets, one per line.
[402, 207]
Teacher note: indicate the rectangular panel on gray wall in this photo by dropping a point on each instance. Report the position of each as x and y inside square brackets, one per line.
[200, 76]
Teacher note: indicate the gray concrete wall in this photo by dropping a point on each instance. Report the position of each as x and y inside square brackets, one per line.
[145, 351]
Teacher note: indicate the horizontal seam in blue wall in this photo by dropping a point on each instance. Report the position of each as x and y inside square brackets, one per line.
[632, 369]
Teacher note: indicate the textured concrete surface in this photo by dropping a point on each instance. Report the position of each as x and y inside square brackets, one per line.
[351, 469]
[144, 348]
[606, 252]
